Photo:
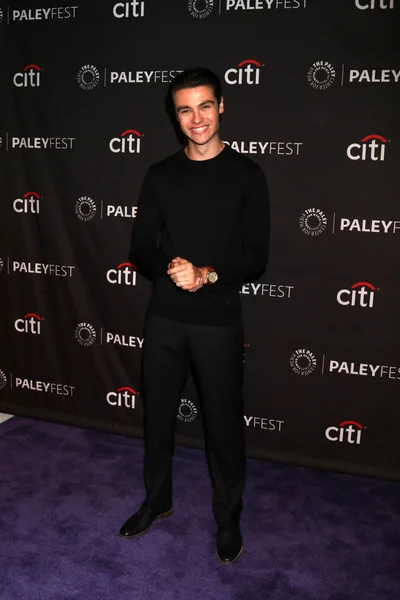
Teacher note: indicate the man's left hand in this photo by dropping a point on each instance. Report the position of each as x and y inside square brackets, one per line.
[185, 274]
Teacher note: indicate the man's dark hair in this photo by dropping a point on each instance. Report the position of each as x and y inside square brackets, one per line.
[190, 78]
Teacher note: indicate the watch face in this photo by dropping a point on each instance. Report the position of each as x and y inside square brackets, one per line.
[212, 276]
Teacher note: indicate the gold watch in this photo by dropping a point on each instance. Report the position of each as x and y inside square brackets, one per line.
[211, 276]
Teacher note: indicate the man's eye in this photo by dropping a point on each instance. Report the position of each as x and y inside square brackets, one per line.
[206, 106]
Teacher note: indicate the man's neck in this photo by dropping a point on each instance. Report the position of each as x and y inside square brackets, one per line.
[206, 151]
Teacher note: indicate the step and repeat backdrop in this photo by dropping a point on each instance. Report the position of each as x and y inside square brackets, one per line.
[311, 92]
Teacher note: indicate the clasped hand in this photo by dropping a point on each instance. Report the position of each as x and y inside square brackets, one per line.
[185, 275]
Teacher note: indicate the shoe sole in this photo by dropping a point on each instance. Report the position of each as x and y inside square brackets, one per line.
[160, 516]
[229, 562]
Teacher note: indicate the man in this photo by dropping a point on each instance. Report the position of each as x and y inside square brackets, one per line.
[201, 230]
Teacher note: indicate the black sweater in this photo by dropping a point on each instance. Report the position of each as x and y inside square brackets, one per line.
[210, 212]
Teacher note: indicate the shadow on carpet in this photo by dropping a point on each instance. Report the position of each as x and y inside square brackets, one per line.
[65, 492]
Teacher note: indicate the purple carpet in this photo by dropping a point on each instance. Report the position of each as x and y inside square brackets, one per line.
[65, 492]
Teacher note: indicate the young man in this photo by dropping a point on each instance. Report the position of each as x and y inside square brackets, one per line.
[202, 229]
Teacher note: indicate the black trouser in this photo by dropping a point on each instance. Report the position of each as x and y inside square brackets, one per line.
[215, 355]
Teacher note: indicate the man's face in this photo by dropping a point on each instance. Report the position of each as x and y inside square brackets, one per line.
[198, 113]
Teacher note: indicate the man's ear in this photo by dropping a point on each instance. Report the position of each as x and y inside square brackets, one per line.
[221, 107]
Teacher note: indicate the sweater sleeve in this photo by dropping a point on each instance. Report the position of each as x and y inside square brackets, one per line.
[144, 251]
[255, 233]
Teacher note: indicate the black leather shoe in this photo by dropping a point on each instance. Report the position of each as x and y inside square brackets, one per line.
[229, 544]
[141, 522]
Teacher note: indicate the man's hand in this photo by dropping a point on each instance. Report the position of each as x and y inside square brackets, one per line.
[185, 275]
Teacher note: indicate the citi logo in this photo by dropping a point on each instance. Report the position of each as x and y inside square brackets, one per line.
[361, 294]
[371, 147]
[29, 324]
[127, 10]
[124, 396]
[124, 274]
[128, 142]
[348, 431]
[30, 77]
[29, 203]
[247, 72]
[371, 4]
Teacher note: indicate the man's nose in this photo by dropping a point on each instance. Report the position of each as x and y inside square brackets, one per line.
[196, 116]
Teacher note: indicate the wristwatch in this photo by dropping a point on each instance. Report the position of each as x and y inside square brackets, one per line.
[211, 276]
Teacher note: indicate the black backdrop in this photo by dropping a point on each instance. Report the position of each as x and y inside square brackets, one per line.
[311, 94]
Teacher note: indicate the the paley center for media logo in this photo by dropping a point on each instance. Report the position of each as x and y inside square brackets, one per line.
[322, 74]
[86, 209]
[3, 380]
[86, 335]
[305, 362]
[314, 221]
[88, 77]
[187, 411]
